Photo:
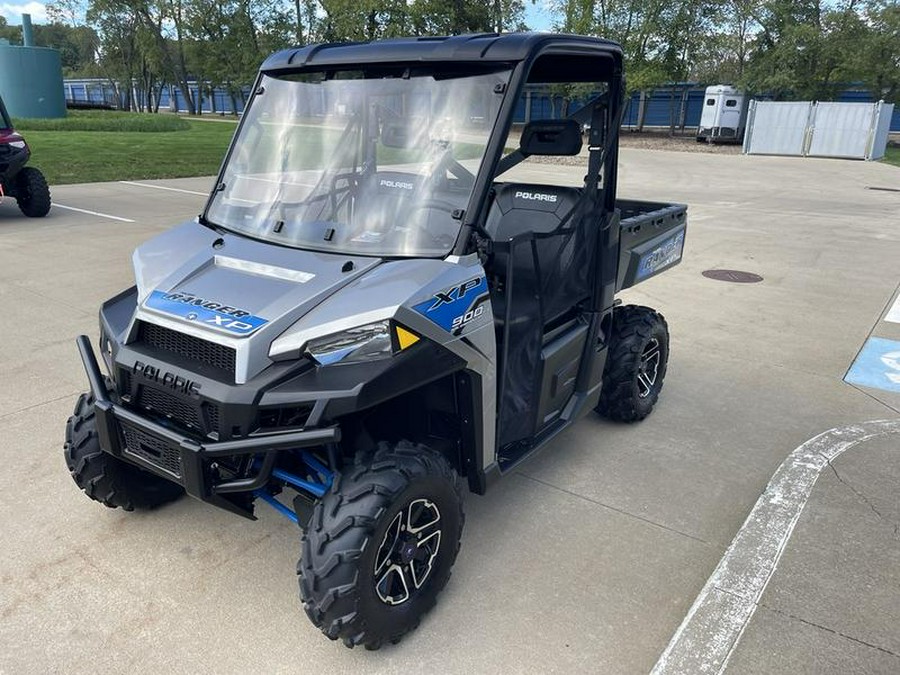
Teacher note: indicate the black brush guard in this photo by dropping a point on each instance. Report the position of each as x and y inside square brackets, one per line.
[194, 455]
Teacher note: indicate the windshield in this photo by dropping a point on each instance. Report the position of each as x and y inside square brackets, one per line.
[361, 165]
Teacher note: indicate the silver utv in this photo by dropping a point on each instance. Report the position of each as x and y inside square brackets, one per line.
[370, 312]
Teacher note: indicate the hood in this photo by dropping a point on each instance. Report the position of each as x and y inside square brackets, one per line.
[230, 289]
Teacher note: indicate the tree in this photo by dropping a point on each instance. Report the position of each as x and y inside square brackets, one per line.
[451, 17]
[876, 61]
[660, 39]
[809, 50]
[77, 45]
[13, 34]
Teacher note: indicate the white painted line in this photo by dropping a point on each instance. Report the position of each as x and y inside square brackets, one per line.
[57, 205]
[706, 639]
[163, 187]
[893, 314]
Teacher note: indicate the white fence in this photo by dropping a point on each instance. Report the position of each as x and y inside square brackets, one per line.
[811, 129]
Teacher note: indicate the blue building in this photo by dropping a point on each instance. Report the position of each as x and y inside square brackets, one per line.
[678, 105]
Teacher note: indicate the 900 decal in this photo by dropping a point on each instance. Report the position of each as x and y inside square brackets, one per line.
[463, 319]
[456, 307]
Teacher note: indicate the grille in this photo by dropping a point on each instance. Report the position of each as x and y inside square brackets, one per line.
[188, 346]
[166, 404]
[149, 448]
[185, 413]
[280, 418]
[212, 416]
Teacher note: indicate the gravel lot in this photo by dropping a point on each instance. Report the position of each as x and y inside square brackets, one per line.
[650, 140]
[660, 140]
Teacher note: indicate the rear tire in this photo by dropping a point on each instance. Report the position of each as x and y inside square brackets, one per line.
[107, 479]
[379, 546]
[635, 365]
[32, 192]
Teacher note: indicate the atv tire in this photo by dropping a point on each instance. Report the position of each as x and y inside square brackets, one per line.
[105, 478]
[635, 365]
[379, 546]
[32, 193]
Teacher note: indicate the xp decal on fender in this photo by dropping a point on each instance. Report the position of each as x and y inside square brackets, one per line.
[411, 318]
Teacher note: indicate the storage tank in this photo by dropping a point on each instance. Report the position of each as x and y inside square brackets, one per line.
[31, 81]
[724, 115]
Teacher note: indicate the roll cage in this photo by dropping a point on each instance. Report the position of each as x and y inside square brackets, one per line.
[534, 57]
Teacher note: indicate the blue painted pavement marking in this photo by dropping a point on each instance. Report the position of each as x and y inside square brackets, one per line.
[878, 365]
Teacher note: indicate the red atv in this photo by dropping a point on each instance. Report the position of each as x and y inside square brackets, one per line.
[25, 183]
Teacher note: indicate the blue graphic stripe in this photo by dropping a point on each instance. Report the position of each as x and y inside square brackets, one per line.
[243, 325]
[444, 313]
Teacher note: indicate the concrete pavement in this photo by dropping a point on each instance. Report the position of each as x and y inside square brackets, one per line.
[585, 560]
[833, 605]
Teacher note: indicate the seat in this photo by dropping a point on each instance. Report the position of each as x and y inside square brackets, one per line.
[383, 198]
[519, 209]
[529, 297]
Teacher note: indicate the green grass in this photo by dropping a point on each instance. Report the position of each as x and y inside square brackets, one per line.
[892, 155]
[105, 120]
[67, 153]
[90, 156]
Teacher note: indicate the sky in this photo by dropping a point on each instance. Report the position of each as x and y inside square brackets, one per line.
[13, 11]
[536, 15]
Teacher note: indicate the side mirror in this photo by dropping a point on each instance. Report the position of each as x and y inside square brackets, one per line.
[400, 135]
[551, 137]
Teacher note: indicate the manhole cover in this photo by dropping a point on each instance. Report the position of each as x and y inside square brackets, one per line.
[734, 276]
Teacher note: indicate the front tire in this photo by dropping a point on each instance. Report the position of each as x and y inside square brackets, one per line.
[636, 364]
[107, 479]
[32, 192]
[380, 545]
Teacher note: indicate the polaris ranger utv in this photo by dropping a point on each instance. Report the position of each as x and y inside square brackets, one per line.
[372, 311]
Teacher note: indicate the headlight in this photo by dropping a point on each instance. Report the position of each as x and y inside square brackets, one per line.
[363, 343]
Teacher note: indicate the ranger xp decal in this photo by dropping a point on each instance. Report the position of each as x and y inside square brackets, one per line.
[206, 312]
[664, 255]
[453, 308]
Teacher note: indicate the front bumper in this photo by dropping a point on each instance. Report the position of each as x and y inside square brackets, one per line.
[190, 463]
[11, 162]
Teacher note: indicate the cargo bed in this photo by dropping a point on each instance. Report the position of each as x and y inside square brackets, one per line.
[651, 239]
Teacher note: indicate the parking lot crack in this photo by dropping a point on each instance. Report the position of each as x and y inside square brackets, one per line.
[874, 398]
[38, 405]
[819, 626]
[613, 508]
[863, 498]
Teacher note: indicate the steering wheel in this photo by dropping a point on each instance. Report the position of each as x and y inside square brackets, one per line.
[449, 163]
[352, 179]
[438, 205]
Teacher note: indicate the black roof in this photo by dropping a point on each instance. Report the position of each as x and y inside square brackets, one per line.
[476, 48]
